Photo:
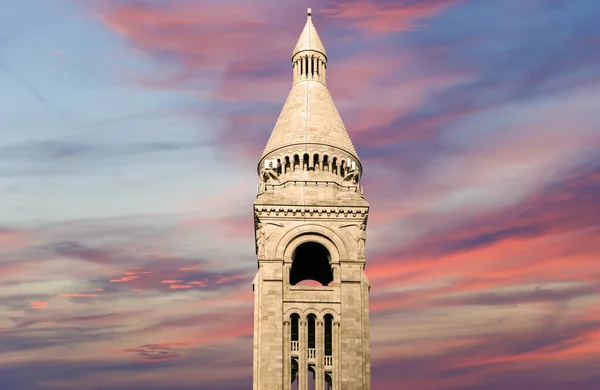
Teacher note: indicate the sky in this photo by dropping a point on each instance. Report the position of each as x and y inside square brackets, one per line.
[129, 136]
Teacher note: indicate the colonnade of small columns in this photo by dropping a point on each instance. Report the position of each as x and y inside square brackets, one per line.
[324, 163]
[309, 67]
[318, 351]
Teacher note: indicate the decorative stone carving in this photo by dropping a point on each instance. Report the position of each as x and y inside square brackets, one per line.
[361, 238]
[359, 233]
[323, 212]
[262, 235]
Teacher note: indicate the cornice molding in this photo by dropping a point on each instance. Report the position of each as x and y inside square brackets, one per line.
[311, 211]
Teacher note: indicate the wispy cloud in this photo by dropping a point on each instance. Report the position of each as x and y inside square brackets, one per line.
[126, 241]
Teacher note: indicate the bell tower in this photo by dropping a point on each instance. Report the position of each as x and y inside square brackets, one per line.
[311, 304]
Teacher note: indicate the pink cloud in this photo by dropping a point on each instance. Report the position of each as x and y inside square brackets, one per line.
[78, 295]
[12, 238]
[200, 36]
[384, 17]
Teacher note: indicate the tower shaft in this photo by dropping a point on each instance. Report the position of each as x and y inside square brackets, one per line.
[311, 304]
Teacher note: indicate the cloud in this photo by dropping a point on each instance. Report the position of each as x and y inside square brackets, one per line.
[156, 352]
[191, 35]
[476, 124]
[382, 17]
[179, 287]
[538, 294]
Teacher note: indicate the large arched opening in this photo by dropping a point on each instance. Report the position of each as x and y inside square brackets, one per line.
[311, 261]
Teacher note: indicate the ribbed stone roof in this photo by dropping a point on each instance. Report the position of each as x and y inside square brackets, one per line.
[309, 116]
[309, 39]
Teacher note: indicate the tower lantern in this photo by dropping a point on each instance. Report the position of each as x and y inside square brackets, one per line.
[311, 305]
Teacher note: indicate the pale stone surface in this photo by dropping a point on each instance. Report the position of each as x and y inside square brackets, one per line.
[309, 39]
[310, 191]
[309, 116]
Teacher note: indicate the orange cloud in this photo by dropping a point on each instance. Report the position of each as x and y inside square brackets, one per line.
[38, 305]
[124, 279]
[179, 286]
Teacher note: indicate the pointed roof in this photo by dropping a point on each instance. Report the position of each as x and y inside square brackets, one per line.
[309, 115]
[309, 39]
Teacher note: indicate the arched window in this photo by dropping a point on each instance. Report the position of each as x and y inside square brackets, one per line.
[312, 325]
[328, 334]
[294, 319]
[311, 261]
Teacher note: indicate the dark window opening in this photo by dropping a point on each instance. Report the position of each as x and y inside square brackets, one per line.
[311, 330]
[295, 318]
[311, 261]
[328, 335]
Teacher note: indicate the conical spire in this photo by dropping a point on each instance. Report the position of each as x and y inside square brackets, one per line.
[309, 39]
[309, 115]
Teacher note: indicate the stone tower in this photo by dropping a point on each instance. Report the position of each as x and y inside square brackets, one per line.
[311, 306]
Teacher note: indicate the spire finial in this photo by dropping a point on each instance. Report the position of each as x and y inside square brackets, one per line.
[309, 39]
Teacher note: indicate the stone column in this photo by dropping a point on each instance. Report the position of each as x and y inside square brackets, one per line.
[302, 356]
[337, 354]
[287, 364]
[320, 366]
